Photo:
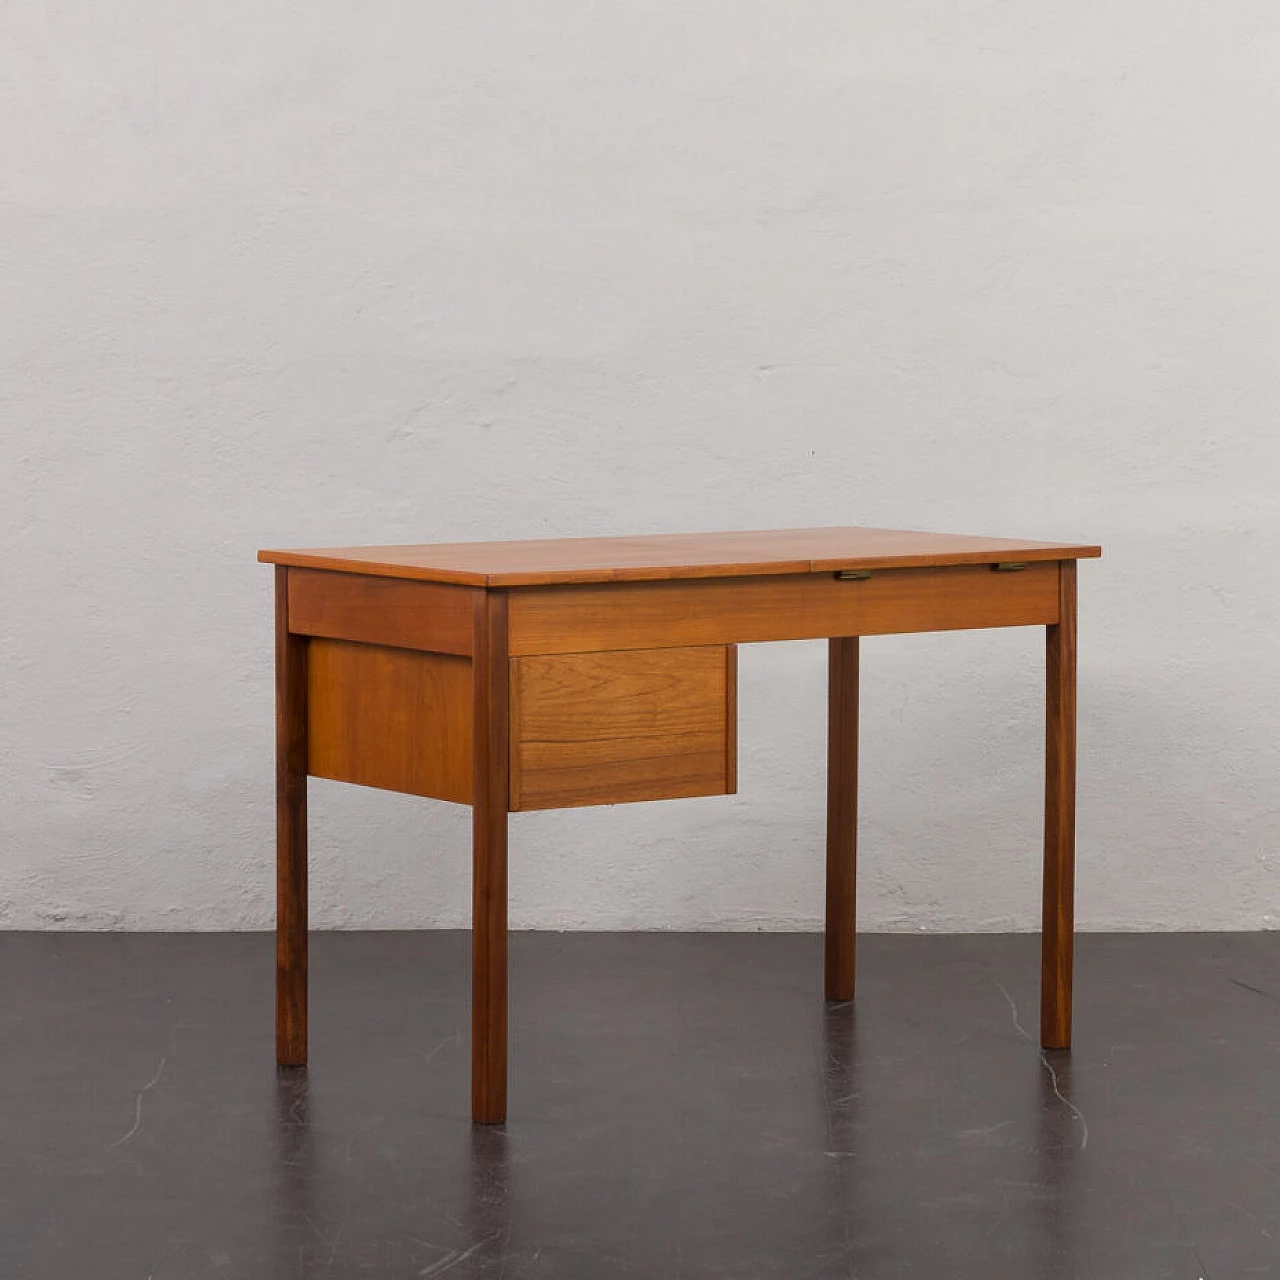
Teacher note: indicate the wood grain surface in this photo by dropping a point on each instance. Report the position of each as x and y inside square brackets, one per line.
[390, 718]
[791, 607]
[699, 555]
[1058, 937]
[490, 762]
[388, 611]
[842, 816]
[604, 728]
[291, 835]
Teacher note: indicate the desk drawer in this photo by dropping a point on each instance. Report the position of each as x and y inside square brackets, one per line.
[637, 724]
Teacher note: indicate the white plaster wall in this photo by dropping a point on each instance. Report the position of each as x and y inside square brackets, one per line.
[279, 274]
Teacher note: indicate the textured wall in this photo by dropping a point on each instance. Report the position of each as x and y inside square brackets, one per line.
[285, 275]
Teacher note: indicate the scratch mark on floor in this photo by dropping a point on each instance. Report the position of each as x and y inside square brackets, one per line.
[1257, 991]
[137, 1114]
[452, 1258]
[455, 1038]
[1048, 1066]
[985, 1130]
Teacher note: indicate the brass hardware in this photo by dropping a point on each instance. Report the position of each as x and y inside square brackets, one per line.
[853, 575]
[1009, 566]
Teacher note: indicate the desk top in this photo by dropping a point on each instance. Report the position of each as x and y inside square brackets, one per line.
[546, 561]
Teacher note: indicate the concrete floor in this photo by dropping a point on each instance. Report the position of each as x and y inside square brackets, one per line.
[681, 1106]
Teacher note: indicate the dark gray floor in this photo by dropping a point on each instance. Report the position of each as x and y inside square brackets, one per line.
[680, 1106]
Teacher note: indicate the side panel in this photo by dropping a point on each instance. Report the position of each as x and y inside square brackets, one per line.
[390, 718]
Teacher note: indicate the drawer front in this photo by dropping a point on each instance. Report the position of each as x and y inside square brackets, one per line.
[640, 724]
[648, 615]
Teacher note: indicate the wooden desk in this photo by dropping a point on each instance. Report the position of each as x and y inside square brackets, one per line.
[537, 675]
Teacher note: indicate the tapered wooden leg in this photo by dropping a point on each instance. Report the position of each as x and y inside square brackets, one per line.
[842, 815]
[291, 835]
[1059, 820]
[489, 861]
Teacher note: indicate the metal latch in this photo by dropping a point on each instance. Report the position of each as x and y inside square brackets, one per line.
[1009, 566]
[853, 575]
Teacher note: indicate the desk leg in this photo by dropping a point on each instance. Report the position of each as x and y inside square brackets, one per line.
[490, 795]
[842, 815]
[1059, 820]
[291, 835]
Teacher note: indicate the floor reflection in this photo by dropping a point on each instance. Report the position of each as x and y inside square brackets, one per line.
[488, 1218]
[839, 1046]
[1032, 1169]
[295, 1191]
[312, 1201]
[1061, 1135]
[840, 1108]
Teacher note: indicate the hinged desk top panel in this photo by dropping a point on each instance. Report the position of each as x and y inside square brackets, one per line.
[565, 561]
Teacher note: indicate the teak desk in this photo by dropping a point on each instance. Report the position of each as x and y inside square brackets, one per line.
[537, 675]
